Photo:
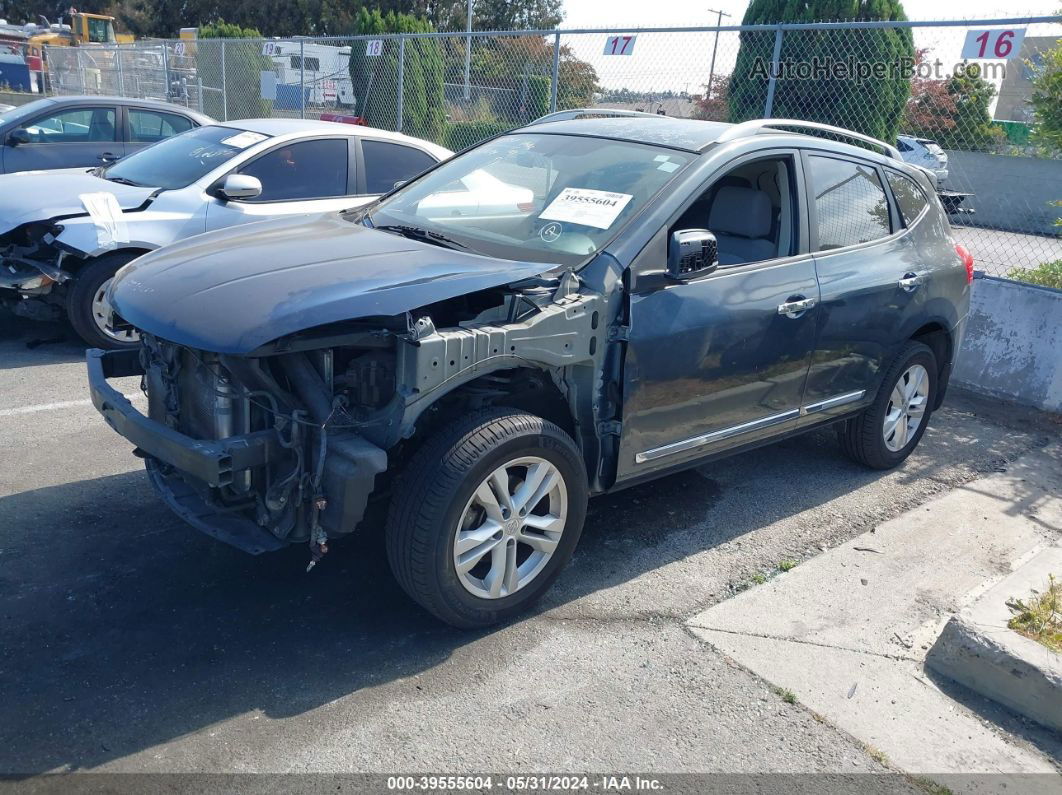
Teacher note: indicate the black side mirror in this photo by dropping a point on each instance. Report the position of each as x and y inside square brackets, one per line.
[691, 253]
[19, 136]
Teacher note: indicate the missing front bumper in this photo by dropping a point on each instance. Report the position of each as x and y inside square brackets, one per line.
[212, 462]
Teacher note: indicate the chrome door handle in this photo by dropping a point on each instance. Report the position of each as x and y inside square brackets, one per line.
[796, 307]
[910, 282]
[108, 157]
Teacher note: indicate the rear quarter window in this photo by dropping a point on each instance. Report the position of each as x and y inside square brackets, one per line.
[909, 197]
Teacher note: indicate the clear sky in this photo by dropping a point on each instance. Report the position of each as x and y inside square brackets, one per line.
[682, 61]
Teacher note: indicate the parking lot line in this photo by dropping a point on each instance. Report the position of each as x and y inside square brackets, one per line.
[62, 404]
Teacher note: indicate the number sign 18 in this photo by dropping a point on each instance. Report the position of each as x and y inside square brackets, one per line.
[620, 45]
[1003, 44]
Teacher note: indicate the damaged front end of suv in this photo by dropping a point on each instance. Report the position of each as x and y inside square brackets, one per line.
[261, 440]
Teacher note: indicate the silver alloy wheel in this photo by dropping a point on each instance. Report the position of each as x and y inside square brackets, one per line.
[907, 407]
[510, 527]
[101, 315]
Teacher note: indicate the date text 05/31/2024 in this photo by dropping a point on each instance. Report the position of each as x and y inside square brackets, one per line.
[524, 783]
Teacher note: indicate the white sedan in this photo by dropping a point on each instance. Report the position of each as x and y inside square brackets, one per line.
[64, 234]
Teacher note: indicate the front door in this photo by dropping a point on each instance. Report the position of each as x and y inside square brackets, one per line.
[297, 178]
[74, 137]
[720, 361]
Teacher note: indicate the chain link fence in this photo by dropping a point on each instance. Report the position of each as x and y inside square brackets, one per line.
[909, 83]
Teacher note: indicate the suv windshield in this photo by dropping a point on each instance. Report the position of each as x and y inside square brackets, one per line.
[179, 161]
[531, 197]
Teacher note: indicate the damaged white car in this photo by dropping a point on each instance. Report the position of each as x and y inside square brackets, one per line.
[64, 234]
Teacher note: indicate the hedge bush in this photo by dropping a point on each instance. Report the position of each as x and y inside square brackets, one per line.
[463, 134]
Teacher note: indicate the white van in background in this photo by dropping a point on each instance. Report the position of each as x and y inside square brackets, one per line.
[320, 71]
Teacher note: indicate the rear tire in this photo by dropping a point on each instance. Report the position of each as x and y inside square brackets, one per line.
[463, 540]
[85, 304]
[890, 429]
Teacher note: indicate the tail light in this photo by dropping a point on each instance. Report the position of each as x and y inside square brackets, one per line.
[967, 260]
[525, 207]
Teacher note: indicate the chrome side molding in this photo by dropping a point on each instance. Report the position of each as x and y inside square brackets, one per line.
[715, 436]
[829, 403]
[764, 422]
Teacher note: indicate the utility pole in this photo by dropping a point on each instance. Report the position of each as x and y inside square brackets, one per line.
[711, 69]
[468, 53]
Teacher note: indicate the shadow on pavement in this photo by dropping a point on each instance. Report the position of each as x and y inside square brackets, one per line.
[124, 629]
[30, 343]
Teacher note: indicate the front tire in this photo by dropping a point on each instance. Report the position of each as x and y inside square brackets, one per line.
[486, 515]
[890, 429]
[87, 306]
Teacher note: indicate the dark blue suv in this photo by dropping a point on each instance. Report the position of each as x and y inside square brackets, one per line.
[561, 311]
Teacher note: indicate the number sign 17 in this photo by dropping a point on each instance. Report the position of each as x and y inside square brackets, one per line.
[620, 45]
[1002, 44]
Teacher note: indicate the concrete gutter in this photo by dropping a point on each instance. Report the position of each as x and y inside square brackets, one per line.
[978, 650]
[846, 632]
[1012, 344]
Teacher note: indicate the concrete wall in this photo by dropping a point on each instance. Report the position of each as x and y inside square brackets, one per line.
[1010, 193]
[17, 97]
[1013, 345]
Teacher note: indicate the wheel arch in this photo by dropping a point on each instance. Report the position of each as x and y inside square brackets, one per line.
[524, 388]
[938, 338]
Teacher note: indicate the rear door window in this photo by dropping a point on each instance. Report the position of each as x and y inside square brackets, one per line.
[850, 203]
[387, 164]
[303, 170]
[149, 126]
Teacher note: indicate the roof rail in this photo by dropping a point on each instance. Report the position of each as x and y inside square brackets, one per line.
[593, 113]
[755, 126]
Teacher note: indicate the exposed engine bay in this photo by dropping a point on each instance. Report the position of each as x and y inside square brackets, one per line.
[329, 412]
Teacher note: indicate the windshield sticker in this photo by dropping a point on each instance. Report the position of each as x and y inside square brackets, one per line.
[667, 166]
[551, 232]
[597, 208]
[106, 214]
[661, 158]
[244, 139]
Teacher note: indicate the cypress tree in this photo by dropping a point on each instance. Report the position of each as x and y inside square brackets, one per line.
[375, 77]
[870, 98]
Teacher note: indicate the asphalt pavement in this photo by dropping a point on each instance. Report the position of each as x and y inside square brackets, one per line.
[133, 643]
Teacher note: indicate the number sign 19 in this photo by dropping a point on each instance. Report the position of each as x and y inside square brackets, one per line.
[1003, 44]
[620, 45]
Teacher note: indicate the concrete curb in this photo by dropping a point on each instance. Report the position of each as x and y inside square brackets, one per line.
[978, 650]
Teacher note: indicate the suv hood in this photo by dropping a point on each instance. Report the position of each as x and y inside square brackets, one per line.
[42, 195]
[235, 290]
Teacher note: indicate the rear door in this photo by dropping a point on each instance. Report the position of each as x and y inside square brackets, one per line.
[307, 176]
[871, 276]
[385, 165]
[68, 137]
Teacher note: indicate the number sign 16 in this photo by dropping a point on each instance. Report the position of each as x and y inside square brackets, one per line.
[1003, 44]
[620, 45]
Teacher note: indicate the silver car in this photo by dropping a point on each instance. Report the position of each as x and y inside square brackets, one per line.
[925, 153]
[64, 234]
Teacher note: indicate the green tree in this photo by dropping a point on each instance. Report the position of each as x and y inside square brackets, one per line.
[497, 14]
[870, 99]
[1047, 101]
[375, 77]
[243, 64]
[973, 128]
